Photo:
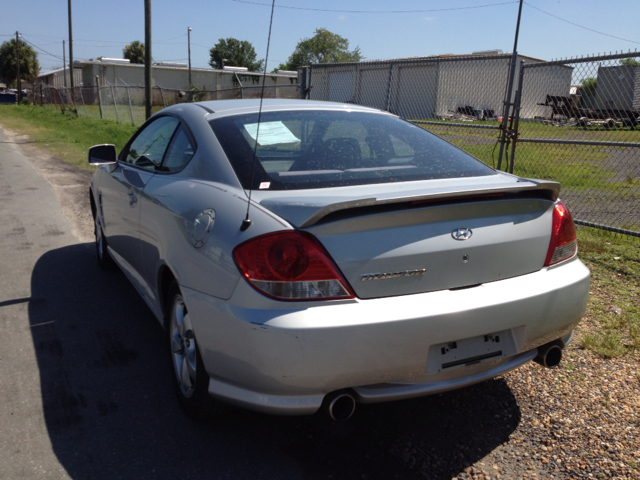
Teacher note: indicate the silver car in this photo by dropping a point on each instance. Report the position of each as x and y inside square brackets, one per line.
[317, 254]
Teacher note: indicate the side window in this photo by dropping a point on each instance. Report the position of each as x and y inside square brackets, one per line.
[148, 148]
[179, 152]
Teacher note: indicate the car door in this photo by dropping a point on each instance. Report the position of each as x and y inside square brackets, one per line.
[120, 193]
[157, 220]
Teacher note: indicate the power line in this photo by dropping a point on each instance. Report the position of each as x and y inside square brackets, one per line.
[75, 40]
[377, 11]
[575, 24]
[41, 49]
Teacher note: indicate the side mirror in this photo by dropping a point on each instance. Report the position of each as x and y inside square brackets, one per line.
[102, 155]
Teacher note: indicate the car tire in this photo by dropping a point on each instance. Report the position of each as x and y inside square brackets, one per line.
[105, 261]
[190, 379]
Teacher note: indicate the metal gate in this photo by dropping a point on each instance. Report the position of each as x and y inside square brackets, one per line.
[577, 121]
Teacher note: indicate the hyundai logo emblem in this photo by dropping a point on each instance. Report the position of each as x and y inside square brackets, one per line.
[462, 234]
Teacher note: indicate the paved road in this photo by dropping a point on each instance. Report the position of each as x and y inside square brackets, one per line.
[85, 390]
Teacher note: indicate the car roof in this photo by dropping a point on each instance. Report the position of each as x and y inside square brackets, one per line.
[253, 105]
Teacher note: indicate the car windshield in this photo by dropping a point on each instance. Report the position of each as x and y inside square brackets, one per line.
[324, 148]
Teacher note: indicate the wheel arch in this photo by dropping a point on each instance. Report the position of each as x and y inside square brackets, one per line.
[165, 278]
[92, 203]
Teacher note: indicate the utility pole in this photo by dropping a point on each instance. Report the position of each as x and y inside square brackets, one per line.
[64, 65]
[19, 97]
[70, 51]
[147, 58]
[189, 43]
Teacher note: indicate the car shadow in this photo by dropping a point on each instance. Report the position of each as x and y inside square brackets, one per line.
[110, 409]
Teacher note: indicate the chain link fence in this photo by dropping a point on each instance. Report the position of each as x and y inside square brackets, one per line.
[578, 124]
[125, 104]
[459, 98]
[574, 121]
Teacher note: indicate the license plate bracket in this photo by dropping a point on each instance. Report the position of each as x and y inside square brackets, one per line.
[469, 351]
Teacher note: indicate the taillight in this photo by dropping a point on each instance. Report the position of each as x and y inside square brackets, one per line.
[290, 265]
[563, 244]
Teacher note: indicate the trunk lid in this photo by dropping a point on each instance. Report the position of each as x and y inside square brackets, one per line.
[443, 236]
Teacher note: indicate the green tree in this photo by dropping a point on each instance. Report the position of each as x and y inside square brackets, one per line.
[589, 86]
[29, 66]
[323, 47]
[134, 52]
[239, 53]
[629, 61]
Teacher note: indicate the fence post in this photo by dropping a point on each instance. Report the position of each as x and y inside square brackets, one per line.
[164, 105]
[55, 102]
[507, 101]
[61, 100]
[389, 87]
[516, 116]
[99, 98]
[83, 104]
[41, 95]
[130, 107]
[302, 82]
[115, 106]
[73, 97]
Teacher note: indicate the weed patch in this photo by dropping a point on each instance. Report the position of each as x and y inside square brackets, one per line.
[64, 135]
[611, 327]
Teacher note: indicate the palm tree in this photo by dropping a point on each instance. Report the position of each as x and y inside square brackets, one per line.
[134, 52]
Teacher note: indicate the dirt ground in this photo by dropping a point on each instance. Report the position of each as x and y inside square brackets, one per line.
[580, 420]
[70, 184]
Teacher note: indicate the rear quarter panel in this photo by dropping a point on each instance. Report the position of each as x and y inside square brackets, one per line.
[170, 206]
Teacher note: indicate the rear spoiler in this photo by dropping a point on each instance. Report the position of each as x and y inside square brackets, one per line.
[304, 212]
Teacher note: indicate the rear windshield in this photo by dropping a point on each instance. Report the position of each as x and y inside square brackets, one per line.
[320, 149]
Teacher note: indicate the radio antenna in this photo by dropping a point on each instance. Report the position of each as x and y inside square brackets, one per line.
[247, 221]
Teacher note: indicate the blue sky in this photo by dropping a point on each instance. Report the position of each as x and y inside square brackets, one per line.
[104, 28]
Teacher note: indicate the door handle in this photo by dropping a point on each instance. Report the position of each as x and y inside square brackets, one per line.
[132, 199]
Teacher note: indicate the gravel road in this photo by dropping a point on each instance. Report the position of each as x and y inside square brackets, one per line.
[109, 413]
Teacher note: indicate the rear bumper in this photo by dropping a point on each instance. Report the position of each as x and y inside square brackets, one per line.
[281, 357]
[402, 391]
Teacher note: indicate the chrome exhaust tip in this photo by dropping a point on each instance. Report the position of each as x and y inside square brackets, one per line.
[549, 355]
[340, 406]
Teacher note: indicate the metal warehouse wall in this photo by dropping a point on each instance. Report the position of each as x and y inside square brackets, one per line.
[540, 82]
[430, 87]
[56, 78]
[616, 87]
[480, 84]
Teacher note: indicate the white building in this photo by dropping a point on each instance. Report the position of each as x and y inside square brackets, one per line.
[61, 77]
[175, 77]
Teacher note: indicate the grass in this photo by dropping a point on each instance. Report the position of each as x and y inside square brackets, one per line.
[611, 327]
[123, 114]
[574, 166]
[537, 129]
[64, 136]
